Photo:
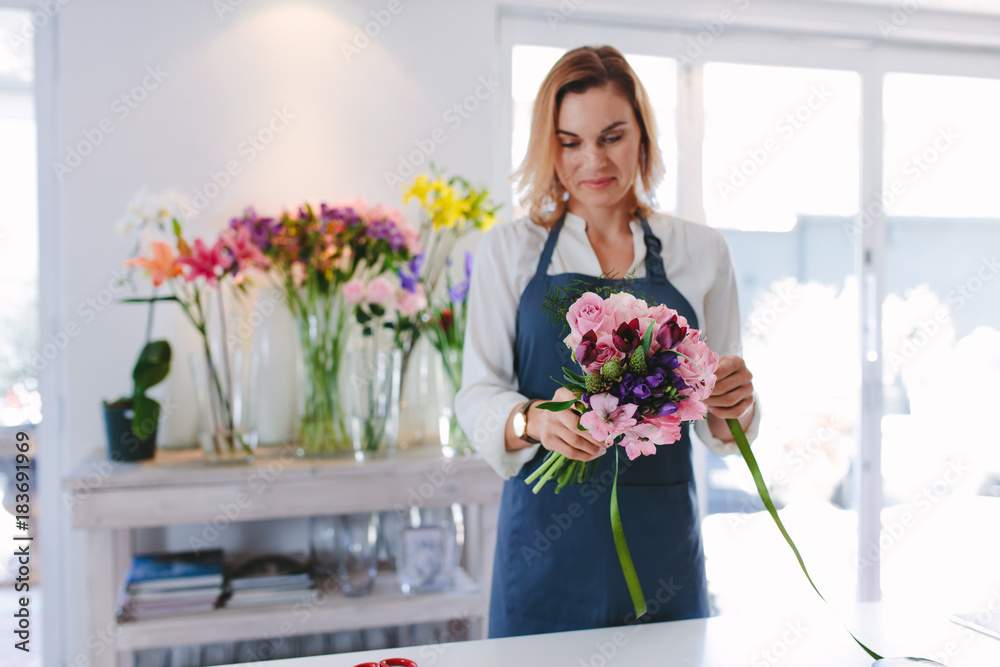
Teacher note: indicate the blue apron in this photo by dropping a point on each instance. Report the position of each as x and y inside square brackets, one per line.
[555, 567]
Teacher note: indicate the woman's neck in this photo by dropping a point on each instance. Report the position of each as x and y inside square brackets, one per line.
[603, 222]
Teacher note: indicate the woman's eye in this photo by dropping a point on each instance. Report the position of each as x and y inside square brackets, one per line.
[612, 139]
[570, 145]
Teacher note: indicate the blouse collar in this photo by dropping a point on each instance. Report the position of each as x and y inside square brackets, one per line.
[578, 224]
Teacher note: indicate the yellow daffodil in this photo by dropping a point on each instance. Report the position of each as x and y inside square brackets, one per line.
[447, 209]
[487, 221]
[420, 189]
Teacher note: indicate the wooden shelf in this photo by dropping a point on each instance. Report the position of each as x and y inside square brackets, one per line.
[179, 487]
[109, 500]
[386, 606]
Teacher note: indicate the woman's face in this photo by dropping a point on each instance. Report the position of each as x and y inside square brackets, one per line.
[598, 153]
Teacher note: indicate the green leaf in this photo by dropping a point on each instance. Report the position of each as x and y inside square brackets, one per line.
[744, 446]
[556, 406]
[624, 557]
[177, 228]
[145, 416]
[647, 339]
[377, 310]
[152, 366]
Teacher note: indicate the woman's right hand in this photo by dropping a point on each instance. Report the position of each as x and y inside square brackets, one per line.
[558, 431]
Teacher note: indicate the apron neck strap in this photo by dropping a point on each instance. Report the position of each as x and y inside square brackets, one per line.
[654, 258]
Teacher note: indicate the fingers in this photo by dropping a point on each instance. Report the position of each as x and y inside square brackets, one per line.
[731, 411]
[734, 379]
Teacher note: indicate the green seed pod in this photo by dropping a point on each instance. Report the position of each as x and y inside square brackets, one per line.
[595, 383]
[637, 362]
[612, 370]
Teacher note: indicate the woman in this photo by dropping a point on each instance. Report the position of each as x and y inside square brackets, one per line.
[592, 164]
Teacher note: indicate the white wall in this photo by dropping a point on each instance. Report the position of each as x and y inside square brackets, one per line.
[352, 120]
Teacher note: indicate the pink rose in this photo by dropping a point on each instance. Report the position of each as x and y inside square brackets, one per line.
[380, 290]
[698, 370]
[354, 291]
[586, 314]
[411, 303]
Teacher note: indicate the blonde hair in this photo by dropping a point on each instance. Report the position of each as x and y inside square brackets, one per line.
[578, 71]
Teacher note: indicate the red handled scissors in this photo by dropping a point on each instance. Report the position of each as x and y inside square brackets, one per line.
[389, 662]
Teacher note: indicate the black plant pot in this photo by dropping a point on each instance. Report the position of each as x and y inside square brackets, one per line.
[123, 444]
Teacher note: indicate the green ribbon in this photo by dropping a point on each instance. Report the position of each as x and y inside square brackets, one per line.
[621, 546]
[741, 442]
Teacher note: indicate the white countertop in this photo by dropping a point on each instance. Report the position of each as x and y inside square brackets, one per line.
[812, 637]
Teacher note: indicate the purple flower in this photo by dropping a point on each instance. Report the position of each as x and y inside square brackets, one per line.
[261, 229]
[586, 351]
[457, 293]
[666, 409]
[641, 391]
[409, 279]
[670, 334]
[626, 337]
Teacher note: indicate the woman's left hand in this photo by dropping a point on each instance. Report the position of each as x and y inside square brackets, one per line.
[733, 393]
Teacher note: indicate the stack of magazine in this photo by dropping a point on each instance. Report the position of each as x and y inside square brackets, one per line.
[169, 584]
[270, 579]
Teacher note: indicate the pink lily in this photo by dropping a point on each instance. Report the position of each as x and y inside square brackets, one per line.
[638, 439]
[204, 262]
[606, 418]
[241, 248]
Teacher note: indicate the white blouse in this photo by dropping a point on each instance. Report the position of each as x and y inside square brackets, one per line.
[696, 259]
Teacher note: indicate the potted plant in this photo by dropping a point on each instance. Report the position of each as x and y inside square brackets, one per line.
[131, 422]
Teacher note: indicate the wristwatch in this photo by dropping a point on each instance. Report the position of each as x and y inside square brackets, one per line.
[521, 424]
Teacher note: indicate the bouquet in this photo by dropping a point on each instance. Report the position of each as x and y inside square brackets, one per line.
[644, 373]
[339, 264]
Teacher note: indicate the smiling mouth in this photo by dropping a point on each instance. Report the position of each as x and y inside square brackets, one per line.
[598, 183]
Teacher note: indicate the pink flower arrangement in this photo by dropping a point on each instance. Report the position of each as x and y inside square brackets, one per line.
[645, 371]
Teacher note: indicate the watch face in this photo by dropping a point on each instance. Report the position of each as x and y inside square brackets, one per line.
[519, 423]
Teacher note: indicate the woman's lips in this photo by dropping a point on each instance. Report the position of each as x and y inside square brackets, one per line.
[598, 183]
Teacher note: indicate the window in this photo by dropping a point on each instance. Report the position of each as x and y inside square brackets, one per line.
[19, 397]
[771, 154]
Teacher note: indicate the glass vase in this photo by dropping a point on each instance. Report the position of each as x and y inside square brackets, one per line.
[371, 390]
[225, 371]
[322, 324]
[454, 442]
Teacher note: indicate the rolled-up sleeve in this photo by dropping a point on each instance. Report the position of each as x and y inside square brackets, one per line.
[489, 391]
[722, 331]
